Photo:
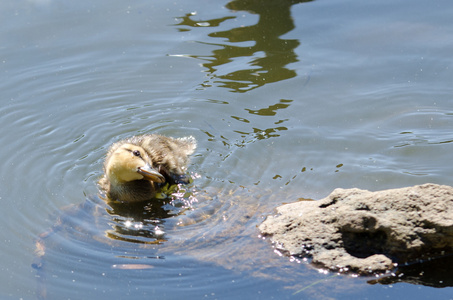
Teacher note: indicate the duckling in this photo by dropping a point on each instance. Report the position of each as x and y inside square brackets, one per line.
[135, 167]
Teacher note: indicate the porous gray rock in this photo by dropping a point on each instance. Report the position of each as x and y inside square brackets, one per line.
[366, 232]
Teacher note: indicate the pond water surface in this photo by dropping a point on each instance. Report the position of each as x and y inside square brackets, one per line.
[287, 100]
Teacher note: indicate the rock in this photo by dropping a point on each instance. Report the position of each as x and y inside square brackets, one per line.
[366, 232]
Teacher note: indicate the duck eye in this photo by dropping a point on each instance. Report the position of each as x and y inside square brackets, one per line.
[136, 152]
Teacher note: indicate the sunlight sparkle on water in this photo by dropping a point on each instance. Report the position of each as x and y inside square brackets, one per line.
[130, 224]
[158, 231]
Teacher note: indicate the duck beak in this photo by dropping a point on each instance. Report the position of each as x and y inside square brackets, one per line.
[151, 174]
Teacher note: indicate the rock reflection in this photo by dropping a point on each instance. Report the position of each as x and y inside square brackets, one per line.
[434, 272]
[270, 54]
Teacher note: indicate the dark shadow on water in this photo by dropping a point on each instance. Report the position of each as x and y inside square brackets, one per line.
[434, 273]
[138, 223]
[269, 54]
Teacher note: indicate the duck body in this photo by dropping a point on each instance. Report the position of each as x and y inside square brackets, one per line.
[135, 167]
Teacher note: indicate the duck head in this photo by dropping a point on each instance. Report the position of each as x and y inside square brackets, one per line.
[131, 162]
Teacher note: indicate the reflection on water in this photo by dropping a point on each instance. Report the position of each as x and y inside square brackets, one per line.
[272, 109]
[432, 272]
[271, 126]
[261, 134]
[144, 223]
[269, 54]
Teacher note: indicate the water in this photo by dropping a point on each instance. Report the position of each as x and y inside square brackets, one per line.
[288, 101]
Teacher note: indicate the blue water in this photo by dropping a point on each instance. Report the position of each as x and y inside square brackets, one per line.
[286, 101]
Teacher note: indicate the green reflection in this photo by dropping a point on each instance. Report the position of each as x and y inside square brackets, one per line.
[262, 134]
[272, 109]
[187, 21]
[269, 54]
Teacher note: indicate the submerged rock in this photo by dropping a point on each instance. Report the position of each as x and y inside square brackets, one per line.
[366, 232]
